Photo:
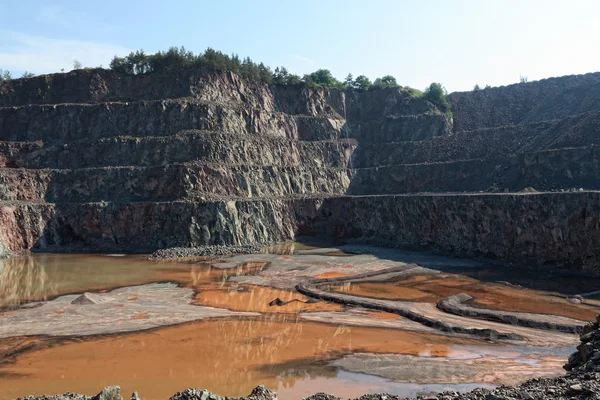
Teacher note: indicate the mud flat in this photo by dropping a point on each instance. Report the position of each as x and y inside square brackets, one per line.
[213, 322]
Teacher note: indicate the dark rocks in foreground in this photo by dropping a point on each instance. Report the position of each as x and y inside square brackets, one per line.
[573, 386]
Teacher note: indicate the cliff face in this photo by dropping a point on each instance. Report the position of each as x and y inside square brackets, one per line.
[95, 160]
[524, 103]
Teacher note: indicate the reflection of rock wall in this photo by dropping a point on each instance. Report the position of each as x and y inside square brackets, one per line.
[22, 279]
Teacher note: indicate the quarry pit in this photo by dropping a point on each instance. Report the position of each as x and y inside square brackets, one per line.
[327, 240]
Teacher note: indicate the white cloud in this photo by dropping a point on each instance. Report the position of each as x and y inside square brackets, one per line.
[39, 54]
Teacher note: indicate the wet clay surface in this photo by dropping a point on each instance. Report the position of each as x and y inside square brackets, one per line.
[433, 288]
[297, 348]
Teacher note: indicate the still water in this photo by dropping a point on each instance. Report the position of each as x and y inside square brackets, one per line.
[274, 346]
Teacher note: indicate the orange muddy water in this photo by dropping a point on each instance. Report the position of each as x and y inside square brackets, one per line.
[433, 288]
[231, 355]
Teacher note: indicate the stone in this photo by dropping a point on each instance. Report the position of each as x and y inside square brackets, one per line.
[135, 396]
[109, 393]
[525, 395]
[576, 388]
[91, 298]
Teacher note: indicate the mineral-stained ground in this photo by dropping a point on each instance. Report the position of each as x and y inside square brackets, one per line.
[216, 176]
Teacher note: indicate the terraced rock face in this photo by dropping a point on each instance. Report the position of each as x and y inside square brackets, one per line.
[94, 160]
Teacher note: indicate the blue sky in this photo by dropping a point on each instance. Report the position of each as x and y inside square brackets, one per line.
[457, 42]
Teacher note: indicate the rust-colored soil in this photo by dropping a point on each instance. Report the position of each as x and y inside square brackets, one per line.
[433, 288]
[383, 315]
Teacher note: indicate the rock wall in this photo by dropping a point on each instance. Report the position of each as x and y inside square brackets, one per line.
[145, 226]
[98, 161]
[543, 100]
[560, 228]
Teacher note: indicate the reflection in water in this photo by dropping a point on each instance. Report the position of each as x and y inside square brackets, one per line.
[348, 384]
[24, 278]
[229, 357]
[45, 276]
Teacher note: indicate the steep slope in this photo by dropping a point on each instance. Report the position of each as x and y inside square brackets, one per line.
[98, 161]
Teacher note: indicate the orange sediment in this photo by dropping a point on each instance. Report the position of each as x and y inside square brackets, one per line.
[228, 357]
[257, 299]
[433, 288]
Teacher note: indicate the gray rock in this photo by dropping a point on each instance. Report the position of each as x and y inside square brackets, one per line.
[109, 393]
[576, 388]
[91, 298]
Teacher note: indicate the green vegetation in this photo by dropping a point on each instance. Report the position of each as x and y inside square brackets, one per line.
[413, 92]
[27, 75]
[176, 59]
[140, 63]
[5, 75]
[436, 93]
[523, 79]
[476, 88]
[361, 83]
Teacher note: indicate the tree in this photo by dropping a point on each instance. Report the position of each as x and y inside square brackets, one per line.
[322, 77]
[523, 79]
[349, 81]
[362, 83]
[294, 79]
[487, 87]
[76, 64]
[27, 75]
[436, 93]
[476, 88]
[5, 75]
[386, 81]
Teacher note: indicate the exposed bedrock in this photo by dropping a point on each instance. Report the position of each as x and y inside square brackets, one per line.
[70, 122]
[144, 226]
[185, 146]
[171, 182]
[101, 161]
[569, 168]
[561, 228]
[543, 100]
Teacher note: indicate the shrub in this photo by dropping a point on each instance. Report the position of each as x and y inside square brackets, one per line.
[386, 81]
[436, 93]
[413, 92]
[5, 75]
[361, 83]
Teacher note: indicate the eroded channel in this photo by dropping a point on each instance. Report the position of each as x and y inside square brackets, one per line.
[158, 327]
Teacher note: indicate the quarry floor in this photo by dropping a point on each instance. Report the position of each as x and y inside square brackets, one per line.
[157, 327]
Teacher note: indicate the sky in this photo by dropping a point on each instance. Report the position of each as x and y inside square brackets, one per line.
[458, 43]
